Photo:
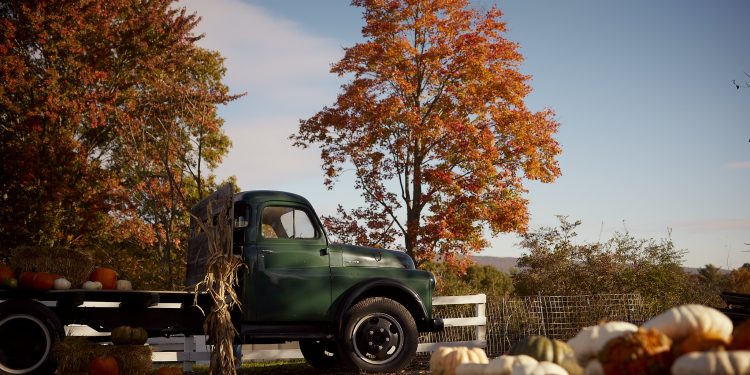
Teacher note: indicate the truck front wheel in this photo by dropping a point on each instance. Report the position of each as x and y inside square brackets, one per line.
[28, 333]
[379, 335]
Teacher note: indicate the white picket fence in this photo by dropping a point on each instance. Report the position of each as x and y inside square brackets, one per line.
[190, 350]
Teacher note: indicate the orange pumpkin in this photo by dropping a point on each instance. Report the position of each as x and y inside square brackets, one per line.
[169, 371]
[104, 365]
[106, 276]
[741, 336]
[698, 342]
[36, 280]
[43, 281]
[646, 351]
[26, 279]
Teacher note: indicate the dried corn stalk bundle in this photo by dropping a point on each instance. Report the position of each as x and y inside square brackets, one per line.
[221, 270]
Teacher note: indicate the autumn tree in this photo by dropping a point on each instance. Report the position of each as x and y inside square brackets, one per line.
[713, 278]
[434, 125]
[108, 127]
[555, 264]
[739, 279]
[476, 279]
[745, 84]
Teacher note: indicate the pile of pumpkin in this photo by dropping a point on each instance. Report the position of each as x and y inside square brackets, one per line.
[128, 355]
[688, 339]
[101, 278]
[112, 365]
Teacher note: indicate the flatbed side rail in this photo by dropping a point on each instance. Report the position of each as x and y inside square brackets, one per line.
[145, 298]
[159, 312]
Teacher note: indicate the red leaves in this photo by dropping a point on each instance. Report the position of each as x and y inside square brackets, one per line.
[434, 122]
[108, 114]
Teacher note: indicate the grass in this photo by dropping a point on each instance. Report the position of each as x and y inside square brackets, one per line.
[418, 366]
[268, 367]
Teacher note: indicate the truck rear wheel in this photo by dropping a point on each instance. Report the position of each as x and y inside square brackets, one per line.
[321, 354]
[28, 333]
[380, 335]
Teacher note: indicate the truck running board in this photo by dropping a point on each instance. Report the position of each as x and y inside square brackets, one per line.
[288, 332]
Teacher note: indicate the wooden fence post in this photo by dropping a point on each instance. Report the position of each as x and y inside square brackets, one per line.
[481, 329]
[189, 350]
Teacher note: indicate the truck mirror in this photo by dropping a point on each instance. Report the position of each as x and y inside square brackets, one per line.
[240, 222]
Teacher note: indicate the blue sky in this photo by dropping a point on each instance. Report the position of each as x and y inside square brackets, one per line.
[654, 134]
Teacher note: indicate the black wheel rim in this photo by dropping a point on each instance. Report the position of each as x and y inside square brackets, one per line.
[327, 348]
[26, 344]
[321, 348]
[378, 338]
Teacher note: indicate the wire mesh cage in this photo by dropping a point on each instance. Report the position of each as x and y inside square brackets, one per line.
[511, 319]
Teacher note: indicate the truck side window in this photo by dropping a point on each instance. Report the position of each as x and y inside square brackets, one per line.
[286, 222]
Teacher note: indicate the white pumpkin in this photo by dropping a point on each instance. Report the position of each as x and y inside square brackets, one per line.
[594, 367]
[124, 285]
[718, 362]
[445, 360]
[540, 368]
[682, 321]
[590, 340]
[92, 285]
[436, 359]
[471, 369]
[61, 283]
[504, 364]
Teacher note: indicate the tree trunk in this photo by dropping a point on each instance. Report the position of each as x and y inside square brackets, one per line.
[414, 210]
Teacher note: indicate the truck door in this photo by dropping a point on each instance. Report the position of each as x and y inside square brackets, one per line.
[292, 280]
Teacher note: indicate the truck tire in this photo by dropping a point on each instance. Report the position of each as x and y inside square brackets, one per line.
[321, 354]
[379, 335]
[28, 334]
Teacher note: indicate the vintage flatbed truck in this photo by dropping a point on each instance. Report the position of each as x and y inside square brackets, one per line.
[348, 306]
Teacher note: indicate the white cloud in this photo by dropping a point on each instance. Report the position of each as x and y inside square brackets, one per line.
[262, 156]
[285, 71]
[738, 165]
[715, 224]
[265, 55]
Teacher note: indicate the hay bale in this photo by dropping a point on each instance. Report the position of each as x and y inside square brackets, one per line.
[74, 354]
[75, 265]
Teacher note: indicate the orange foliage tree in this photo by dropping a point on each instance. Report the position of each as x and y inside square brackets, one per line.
[107, 112]
[739, 279]
[434, 125]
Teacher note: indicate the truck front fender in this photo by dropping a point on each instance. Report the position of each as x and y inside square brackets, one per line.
[380, 287]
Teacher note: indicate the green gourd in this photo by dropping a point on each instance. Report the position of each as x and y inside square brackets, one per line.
[544, 349]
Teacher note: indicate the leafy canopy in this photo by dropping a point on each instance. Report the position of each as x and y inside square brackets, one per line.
[107, 114]
[434, 125]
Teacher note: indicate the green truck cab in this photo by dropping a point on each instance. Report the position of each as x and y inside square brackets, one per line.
[347, 305]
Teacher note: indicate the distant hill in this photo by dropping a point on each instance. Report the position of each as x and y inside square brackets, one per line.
[504, 264]
[694, 270]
